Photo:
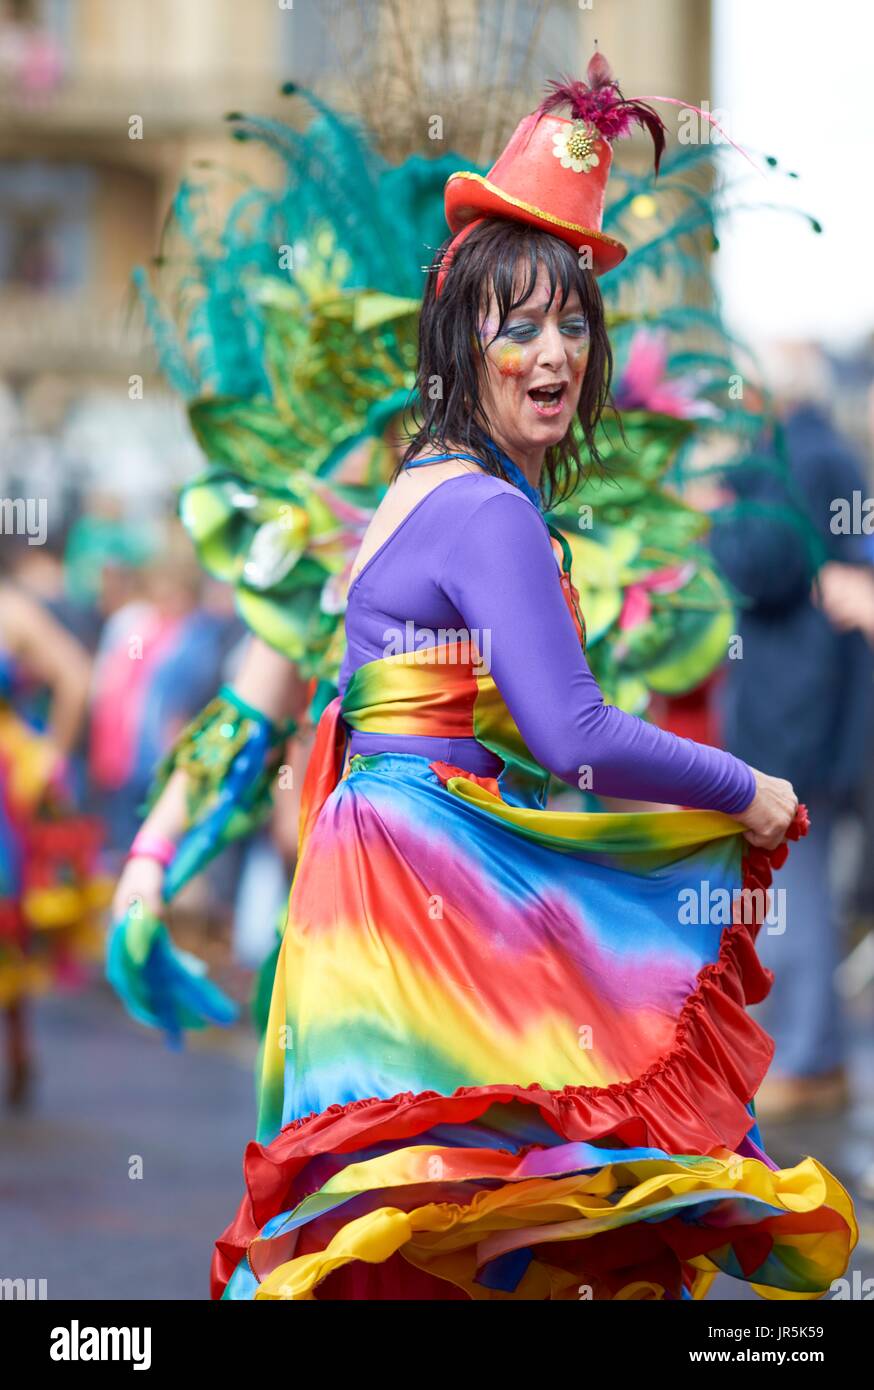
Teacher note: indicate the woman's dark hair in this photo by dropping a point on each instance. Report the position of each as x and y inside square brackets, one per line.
[503, 258]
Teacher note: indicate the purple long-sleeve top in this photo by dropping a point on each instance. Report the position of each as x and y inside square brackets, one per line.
[474, 554]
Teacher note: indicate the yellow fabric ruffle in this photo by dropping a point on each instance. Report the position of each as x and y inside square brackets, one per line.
[452, 1241]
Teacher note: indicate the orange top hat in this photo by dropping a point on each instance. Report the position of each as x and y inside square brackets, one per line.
[553, 173]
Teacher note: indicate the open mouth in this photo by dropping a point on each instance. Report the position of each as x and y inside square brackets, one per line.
[547, 400]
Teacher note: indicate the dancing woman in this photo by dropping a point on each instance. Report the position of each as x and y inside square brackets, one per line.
[508, 1053]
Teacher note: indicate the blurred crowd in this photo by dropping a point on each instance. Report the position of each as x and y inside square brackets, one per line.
[796, 698]
[116, 640]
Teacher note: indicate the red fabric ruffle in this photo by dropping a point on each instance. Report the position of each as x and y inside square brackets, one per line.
[693, 1100]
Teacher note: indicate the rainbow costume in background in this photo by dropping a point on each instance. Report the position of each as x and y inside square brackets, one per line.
[52, 895]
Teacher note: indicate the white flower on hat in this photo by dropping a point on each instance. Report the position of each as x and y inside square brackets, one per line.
[575, 147]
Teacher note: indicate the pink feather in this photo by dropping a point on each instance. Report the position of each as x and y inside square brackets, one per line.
[600, 102]
[599, 71]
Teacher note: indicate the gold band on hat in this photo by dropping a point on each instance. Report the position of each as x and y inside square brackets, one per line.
[536, 212]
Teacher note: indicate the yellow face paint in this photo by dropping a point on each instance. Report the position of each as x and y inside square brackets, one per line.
[508, 359]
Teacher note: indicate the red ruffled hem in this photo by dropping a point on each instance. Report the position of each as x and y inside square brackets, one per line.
[693, 1100]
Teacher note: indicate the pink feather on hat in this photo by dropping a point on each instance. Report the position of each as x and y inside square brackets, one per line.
[599, 101]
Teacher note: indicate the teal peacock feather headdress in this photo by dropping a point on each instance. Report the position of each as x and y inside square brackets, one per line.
[291, 324]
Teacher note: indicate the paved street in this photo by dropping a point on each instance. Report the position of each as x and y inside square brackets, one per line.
[109, 1091]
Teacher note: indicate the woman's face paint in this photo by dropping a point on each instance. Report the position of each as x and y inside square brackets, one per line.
[534, 370]
[580, 359]
[510, 360]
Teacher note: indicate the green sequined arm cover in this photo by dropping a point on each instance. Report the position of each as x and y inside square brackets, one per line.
[229, 754]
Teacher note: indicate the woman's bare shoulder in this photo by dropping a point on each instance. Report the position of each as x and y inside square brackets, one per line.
[421, 474]
[405, 492]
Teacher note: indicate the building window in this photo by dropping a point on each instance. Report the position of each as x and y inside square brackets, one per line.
[45, 218]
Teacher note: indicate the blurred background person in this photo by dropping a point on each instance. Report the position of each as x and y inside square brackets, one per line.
[158, 661]
[799, 696]
[43, 902]
[846, 595]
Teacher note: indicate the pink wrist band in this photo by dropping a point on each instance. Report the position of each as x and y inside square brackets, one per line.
[151, 846]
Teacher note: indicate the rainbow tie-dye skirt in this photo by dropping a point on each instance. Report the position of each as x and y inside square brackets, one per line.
[509, 1054]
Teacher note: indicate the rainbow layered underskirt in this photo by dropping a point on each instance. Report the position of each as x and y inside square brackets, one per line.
[502, 1062]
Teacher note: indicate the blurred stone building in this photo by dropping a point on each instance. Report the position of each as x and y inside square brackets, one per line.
[104, 105]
